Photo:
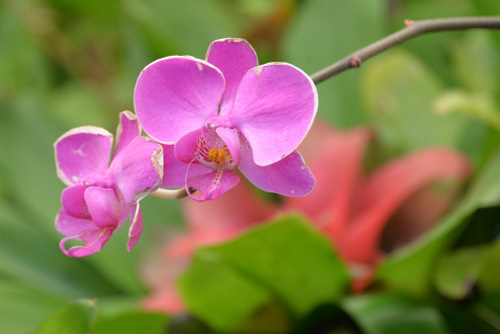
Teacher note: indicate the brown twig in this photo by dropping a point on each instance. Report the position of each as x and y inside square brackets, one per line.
[412, 30]
[170, 193]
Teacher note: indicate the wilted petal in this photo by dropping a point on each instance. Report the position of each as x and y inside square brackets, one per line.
[165, 299]
[104, 206]
[135, 230]
[289, 176]
[81, 153]
[73, 201]
[212, 185]
[274, 108]
[397, 181]
[127, 130]
[234, 57]
[227, 215]
[80, 229]
[175, 95]
[336, 161]
[138, 169]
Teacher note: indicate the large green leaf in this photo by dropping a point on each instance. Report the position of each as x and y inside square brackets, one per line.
[392, 313]
[287, 260]
[132, 323]
[399, 91]
[218, 294]
[75, 318]
[457, 273]
[19, 303]
[410, 269]
[325, 31]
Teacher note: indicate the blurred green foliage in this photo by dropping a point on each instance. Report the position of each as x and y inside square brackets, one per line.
[67, 63]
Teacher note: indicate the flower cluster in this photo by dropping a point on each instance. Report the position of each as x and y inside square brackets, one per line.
[207, 120]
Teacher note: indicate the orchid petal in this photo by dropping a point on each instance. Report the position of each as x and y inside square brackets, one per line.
[135, 230]
[397, 180]
[127, 130]
[228, 215]
[82, 153]
[138, 169]
[81, 229]
[234, 57]
[178, 94]
[175, 171]
[104, 207]
[336, 161]
[73, 201]
[289, 176]
[212, 185]
[187, 147]
[274, 108]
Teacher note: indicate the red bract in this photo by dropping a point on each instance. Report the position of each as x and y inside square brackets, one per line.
[349, 207]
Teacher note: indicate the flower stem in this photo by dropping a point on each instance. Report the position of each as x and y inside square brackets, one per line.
[412, 30]
[170, 193]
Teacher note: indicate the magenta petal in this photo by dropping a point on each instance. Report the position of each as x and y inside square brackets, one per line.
[289, 176]
[69, 225]
[94, 241]
[73, 201]
[127, 130]
[234, 57]
[81, 153]
[175, 171]
[185, 148]
[231, 138]
[104, 206]
[93, 237]
[135, 230]
[214, 184]
[138, 169]
[175, 95]
[274, 108]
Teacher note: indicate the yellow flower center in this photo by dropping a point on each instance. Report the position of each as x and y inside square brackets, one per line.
[219, 155]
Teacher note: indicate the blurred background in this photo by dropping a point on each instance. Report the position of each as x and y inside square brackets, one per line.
[66, 63]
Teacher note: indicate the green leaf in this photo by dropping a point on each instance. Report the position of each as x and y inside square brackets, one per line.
[219, 294]
[287, 260]
[399, 91]
[457, 272]
[165, 27]
[479, 105]
[75, 318]
[325, 31]
[19, 303]
[132, 323]
[474, 59]
[489, 276]
[291, 259]
[392, 313]
[410, 269]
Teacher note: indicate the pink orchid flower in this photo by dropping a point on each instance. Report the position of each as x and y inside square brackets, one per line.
[100, 197]
[226, 113]
[350, 208]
